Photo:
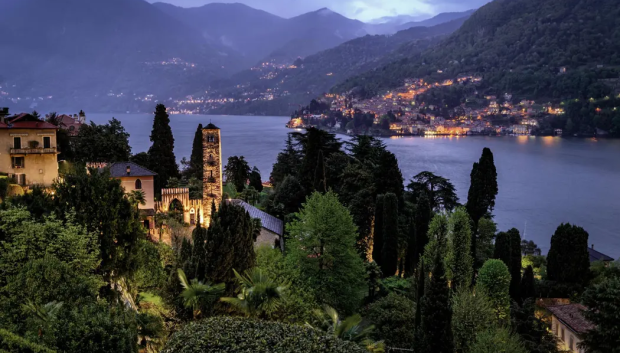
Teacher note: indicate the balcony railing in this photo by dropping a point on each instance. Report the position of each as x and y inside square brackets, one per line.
[33, 150]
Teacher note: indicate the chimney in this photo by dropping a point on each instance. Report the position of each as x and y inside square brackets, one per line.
[128, 170]
[592, 246]
[4, 112]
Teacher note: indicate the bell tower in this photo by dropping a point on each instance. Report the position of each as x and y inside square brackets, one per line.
[212, 167]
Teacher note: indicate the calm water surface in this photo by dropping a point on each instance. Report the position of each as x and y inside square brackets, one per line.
[543, 181]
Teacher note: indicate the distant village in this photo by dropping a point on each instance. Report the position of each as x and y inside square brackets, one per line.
[410, 114]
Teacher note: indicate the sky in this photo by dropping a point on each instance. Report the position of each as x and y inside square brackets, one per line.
[364, 10]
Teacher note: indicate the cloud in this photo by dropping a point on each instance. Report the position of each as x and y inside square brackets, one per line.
[364, 10]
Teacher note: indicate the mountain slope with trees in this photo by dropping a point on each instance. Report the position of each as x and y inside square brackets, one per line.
[552, 49]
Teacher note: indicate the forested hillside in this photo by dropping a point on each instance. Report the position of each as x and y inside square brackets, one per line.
[552, 49]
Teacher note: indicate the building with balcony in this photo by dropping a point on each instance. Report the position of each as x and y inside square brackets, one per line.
[28, 149]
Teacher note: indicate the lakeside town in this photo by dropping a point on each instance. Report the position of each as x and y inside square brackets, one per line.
[406, 112]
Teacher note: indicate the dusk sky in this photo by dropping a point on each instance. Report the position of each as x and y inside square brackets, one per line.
[364, 10]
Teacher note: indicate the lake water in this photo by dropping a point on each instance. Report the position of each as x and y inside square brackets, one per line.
[543, 181]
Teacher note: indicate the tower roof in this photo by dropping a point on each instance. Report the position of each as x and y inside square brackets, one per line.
[211, 127]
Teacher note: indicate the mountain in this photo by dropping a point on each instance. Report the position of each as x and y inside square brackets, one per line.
[237, 26]
[439, 19]
[398, 20]
[317, 73]
[551, 49]
[81, 52]
[258, 35]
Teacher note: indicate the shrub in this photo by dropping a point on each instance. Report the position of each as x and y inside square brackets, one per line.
[227, 334]
[471, 314]
[494, 280]
[394, 320]
[10, 342]
[499, 340]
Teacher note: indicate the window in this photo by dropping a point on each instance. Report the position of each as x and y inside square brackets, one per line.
[47, 142]
[138, 184]
[18, 162]
[562, 334]
[571, 344]
[17, 142]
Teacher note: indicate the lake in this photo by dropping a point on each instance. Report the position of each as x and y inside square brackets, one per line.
[543, 181]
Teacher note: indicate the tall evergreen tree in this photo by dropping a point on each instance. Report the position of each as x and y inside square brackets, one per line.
[419, 295]
[494, 280]
[237, 172]
[317, 146]
[460, 260]
[377, 244]
[437, 312]
[440, 191]
[161, 154]
[196, 161]
[482, 192]
[323, 249]
[508, 249]
[286, 164]
[389, 251]
[229, 244]
[515, 263]
[199, 253]
[418, 233]
[527, 286]
[255, 180]
[568, 260]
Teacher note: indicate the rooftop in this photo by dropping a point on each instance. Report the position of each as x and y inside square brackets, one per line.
[572, 316]
[211, 127]
[598, 256]
[25, 121]
[268, 221]
[119, 170]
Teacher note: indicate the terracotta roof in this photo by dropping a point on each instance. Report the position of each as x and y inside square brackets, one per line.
[268, 221]
[572, 316]
[25, 121]
[119, 170]
[598, 256]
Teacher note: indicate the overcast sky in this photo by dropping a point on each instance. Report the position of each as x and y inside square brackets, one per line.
[364, 10]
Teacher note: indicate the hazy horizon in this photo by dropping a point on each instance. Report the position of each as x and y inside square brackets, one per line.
[363, 10]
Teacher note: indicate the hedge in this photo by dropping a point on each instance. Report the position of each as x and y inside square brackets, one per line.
[229, 334]
[12, 343]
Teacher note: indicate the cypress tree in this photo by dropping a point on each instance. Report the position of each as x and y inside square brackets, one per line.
[389, 252]
[482, 192]
[199, 254]
[437, 313]
[527, 286]
[418, 233]
[461, 261]
[377, 245]
[286, 164]
[229, 245]
[508, 249]
[422, 225]
[161, 154]
[419, 294]
[196, 161]
[568, 260]
[515, 263]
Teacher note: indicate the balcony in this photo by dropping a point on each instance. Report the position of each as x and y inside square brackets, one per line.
[33, 150]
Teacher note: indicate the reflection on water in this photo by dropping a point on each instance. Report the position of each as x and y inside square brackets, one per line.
[543, 181]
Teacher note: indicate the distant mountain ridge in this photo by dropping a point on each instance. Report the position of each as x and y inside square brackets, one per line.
[552, 49]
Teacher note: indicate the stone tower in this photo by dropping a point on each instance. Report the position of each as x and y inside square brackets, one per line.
[212, 167]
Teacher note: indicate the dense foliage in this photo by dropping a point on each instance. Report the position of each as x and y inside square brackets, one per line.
[227, 334]
[393, 317]
[101, 143]
[494, 281]
[323, 247]
[568, 260]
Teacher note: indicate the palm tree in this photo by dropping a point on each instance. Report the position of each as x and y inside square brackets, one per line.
[259, 295]
[137, 198]
[350, 329]
[197, 295]
[43, 314]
